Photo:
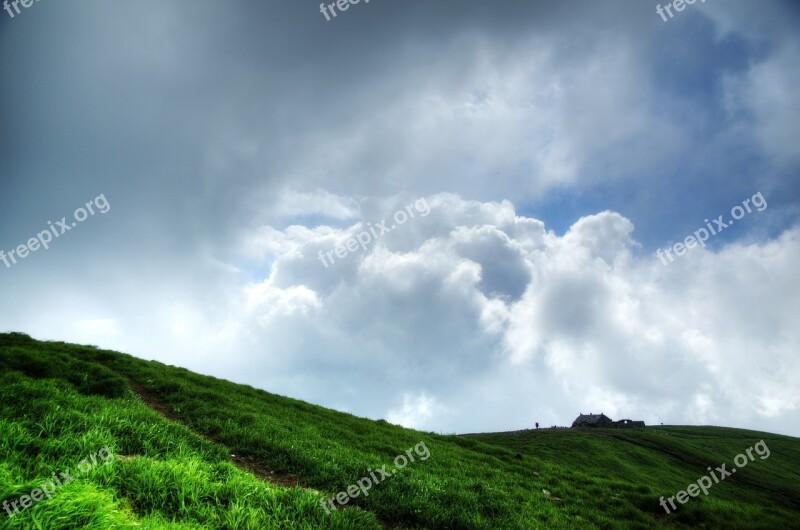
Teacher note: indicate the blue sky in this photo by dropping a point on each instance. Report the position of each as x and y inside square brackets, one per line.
[559, 145]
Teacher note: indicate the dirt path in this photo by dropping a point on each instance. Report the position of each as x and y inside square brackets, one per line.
[257, 467]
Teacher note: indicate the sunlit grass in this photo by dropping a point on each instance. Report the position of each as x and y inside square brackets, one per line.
[60, 402]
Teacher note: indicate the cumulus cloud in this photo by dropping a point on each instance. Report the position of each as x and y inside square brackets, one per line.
[415, 411]
[433, 318]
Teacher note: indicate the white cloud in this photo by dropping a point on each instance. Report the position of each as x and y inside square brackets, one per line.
[476, 318]
[415, 412]
[474, 292]
[294, 203]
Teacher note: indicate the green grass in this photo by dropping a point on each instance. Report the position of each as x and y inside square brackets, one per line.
[61, 402]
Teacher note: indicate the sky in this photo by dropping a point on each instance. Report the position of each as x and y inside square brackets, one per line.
[508, 176]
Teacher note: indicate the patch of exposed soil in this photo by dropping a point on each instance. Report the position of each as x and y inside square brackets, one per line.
[257, 467]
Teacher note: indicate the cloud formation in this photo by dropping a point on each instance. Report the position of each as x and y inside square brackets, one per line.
[558, 145]
[427, 326]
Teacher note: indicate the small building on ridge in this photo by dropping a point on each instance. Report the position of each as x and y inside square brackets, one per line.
[592, 420]
[601, 420]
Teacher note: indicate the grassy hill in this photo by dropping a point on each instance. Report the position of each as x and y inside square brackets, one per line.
[153, 446]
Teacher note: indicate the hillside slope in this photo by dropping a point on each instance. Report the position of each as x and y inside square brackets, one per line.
[182, 445]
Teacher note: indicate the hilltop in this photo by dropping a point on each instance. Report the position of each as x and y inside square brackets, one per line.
[187, 451]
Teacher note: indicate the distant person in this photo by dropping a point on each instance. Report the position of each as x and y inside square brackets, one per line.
[537, 424]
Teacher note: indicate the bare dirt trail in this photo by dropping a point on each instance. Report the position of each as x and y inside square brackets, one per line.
[257, 467]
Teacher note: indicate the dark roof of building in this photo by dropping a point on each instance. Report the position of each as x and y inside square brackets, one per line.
[591, 419]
